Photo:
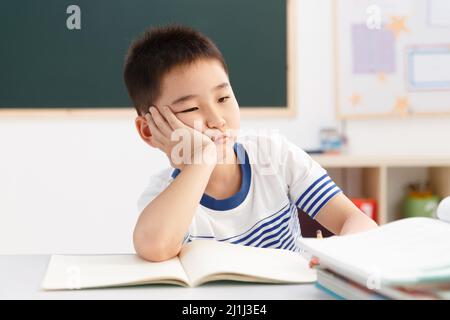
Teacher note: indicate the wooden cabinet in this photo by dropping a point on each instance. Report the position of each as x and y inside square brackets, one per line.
[386, 178]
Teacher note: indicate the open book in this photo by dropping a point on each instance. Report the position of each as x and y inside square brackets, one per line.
[199, 262]
[413, 252]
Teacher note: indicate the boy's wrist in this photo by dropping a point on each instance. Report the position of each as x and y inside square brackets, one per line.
[206, 156]
[205, 166]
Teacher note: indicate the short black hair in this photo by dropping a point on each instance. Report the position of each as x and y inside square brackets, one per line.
[158, 51]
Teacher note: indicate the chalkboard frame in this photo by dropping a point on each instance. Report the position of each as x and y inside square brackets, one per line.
[246, 112]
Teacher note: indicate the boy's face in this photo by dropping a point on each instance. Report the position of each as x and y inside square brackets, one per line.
[201, 94]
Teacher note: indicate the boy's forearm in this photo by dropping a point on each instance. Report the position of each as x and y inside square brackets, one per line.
[164, 222]
[357, 223]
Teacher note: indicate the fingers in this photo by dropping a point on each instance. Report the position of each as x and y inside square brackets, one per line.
[158, 137]
[173, 121]
[160, 122]
[313, 262]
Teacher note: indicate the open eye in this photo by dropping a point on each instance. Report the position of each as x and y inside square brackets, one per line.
[223, 99]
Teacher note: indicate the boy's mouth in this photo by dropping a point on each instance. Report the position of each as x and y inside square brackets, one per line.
[220, 138]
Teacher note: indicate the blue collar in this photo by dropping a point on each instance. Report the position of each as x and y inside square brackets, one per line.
[236, 199]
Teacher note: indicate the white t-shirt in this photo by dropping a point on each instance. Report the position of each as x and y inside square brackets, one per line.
[277, 177]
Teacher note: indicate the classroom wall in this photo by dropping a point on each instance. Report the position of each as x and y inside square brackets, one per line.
[71, 185]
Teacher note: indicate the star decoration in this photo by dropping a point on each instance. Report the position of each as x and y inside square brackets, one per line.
[381, 77]
[355, 99]
[401, 105]
[397, 25]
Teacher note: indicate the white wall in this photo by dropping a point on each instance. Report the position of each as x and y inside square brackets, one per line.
[71, 185]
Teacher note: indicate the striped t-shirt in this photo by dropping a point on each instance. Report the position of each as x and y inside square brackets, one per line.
[277, 178]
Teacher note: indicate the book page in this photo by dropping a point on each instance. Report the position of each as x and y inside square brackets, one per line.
[93, 271]
[208, 260]
[402, 251]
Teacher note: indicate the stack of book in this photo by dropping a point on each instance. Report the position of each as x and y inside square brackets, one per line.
[404, 259]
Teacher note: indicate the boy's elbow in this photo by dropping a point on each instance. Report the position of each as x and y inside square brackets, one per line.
[154, 251]
[155, 255]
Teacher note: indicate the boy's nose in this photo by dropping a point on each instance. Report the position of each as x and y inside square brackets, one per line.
[215, 120]
[217, 123]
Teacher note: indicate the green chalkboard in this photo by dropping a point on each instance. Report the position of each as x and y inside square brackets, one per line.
[45, 65]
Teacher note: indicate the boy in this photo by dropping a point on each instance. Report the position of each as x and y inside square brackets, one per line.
[217, 189]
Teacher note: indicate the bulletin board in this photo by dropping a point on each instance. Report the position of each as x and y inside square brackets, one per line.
[392, 58]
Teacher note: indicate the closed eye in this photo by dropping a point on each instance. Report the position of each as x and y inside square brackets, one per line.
[188, 110]
[221, 100]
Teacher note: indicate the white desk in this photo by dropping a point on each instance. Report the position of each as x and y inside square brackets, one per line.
[21, 277]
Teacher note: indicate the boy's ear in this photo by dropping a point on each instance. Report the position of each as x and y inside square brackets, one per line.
[144, 130]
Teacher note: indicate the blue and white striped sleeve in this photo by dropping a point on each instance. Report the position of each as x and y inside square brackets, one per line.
[309, 185]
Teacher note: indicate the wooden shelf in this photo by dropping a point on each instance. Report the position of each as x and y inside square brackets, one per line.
[385, 178]
[348, 161]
